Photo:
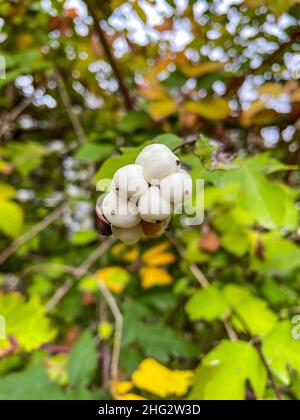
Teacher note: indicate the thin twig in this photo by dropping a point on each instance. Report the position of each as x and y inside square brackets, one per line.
[7, 120]
[110, 57]
[68, 107]
[77, 272]
[58, 296]
[198, 275]
[39, 227]
[195, 270]
[111, 301]
[83, 269]
[184, 143]
[230, 331]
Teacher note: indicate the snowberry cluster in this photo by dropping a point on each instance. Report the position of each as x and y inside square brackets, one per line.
[143, 195]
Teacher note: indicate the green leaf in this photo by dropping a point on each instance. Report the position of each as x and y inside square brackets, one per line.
[26, 156]
[111, 165]
[133, 121]
[169, 140]
[235, 243]
[254, 312]
[161, 342]
[208, 304]
[279, 255]
[129, 155]
[224, 371]
[268, 203]
[282, 351]
[82, 360]
[11, 220]
[156, 340]
[204, 149]
[25, 321]
[92, 152]
[83, 237]
[31, 384]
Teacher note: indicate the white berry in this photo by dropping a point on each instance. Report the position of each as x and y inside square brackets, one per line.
[120, 212]
[130, 235]
[129, 181]
[158, 161]
[152, 206]
[176, 187]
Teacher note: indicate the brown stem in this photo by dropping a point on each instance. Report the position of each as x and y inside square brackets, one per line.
[68, 107]
[184, 143]
[77, 272]
[7, 120]
[112, 60]
[257, 344]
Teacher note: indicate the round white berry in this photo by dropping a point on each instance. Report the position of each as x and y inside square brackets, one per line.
[152, 206]
[120, 212]
[158, 161]
[129, 181]
[176, 187]
[130, 235]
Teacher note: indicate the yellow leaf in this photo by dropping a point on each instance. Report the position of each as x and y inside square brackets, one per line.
[153, 90]
[118, 249]
[155, 250]
[115, 278]
[197, 70]
[153, 377]
[11, 220]
[162, 108]
[130, 397]
[165, 258]
[131, 255]
[271, 89]
[254, 109]
[6, 191]
[210, 108]
[295, 96]
[156, 256]
[120, 387]
[121, 251]
[152, 276]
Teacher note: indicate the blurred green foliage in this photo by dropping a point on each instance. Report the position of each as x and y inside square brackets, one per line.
[214, 305]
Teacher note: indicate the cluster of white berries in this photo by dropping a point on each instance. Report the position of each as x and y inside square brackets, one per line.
[143, 195]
